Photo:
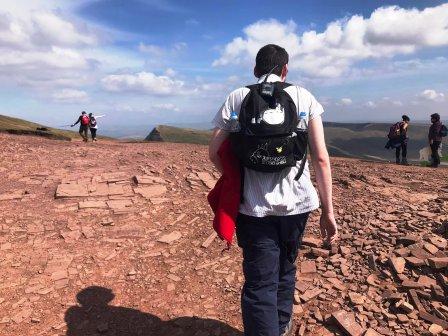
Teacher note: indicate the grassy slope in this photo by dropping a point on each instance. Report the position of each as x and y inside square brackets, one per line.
[184, 135]
[15, 124]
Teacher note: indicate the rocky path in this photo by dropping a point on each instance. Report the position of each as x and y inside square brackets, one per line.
[115, 239]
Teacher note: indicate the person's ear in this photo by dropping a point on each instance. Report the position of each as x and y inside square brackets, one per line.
[256, 72]
[284, 72]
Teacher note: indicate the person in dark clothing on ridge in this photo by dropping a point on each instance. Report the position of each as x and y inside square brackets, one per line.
[435, 139]
[398, 139]
[403, 148]
[84, 122]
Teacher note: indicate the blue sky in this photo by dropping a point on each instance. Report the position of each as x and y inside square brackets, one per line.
[167, 61]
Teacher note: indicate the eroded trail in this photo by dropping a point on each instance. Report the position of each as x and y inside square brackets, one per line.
[115, 239]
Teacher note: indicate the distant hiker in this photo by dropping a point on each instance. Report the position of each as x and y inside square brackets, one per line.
[276, 197]
[84, 122]
[436, 132]
[398, 139]
[93, 125]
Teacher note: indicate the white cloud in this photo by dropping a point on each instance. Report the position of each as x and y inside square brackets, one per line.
[34, 60]
[40, 48]
[432, 95]
[50, 29]
[370, 104]
[41, 29]
[151, 49]
[70, 96]
[388, 32]
[166, 107]
[170, 72]
[145, 82]
[346, 101]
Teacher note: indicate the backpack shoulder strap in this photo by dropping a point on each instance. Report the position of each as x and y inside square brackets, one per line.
[282, 85]
[302, 165]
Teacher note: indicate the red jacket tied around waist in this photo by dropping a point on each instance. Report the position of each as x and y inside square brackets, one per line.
[224, 198]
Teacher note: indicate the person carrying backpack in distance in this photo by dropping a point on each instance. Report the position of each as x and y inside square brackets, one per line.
[84, 122]
[270, 125]
[93, 124]
[436, 132]
[398, 139]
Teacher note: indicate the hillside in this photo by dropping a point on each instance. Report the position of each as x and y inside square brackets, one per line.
[124, 245]
[368, 140]
[23, 127]
[179, 135]
[343, 139]
[19, 126]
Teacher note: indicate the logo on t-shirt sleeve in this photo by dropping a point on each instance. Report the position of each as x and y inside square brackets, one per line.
[302, 115]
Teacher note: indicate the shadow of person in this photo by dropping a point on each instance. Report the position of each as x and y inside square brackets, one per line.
[94, 316]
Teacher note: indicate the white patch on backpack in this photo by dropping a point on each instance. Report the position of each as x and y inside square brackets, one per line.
[274, 116]
[261, 155]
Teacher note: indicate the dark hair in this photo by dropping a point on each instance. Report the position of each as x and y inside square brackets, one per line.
[405, 118]
[83, 112]
[90, 114]
[268, 57]
[435, 116]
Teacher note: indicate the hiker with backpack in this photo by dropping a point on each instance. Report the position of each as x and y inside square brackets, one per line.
[270, 125]
[93, 124]
[84, 122]
[398, 139]
[436, 132]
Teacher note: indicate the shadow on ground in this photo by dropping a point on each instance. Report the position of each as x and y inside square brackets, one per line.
[94, 316]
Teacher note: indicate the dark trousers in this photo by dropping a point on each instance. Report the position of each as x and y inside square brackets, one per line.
[270, 247]
[83, 132]
[403, 149]
[93, 133]
[435, 153]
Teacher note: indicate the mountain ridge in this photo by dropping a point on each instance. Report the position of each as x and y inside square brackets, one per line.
[357, 140]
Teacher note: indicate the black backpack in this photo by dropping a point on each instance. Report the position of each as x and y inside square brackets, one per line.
[92, 121]
[443, 131]
[269, 139]
[395, 131]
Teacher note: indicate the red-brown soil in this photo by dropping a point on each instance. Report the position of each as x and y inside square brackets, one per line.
[87, 249]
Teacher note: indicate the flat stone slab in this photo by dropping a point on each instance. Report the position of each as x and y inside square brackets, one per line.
[16, 194]
[346, 321]
[92, 205]
[438, 263]
[170, 237]
[308, 266]
[206, 178]
[152, 191]
[119, 204]
[148, 179]
[398, 264]
[103, 189]
[310, 241]
[371, 332]
[71, 190]
[114, 177]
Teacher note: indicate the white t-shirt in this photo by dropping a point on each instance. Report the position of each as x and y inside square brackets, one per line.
[275, 194]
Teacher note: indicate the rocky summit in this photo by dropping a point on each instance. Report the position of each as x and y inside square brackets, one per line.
[116, 239]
